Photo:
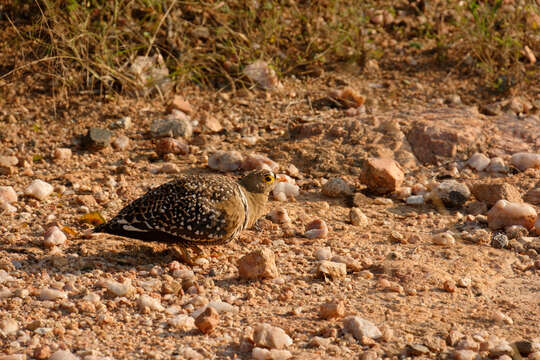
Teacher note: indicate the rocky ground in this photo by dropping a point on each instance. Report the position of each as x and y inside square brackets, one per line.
[388, 239]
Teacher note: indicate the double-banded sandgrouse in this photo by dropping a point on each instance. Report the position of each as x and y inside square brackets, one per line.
[194, 210]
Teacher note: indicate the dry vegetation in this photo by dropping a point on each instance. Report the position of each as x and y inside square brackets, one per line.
[89, 45]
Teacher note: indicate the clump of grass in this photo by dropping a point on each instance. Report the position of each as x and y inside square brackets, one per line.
[90, 45]
[490, 37]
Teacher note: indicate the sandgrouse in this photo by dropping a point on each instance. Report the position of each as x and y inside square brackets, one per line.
[194, 210]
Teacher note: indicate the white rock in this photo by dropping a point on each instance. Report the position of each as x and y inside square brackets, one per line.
[63, 355]
[5, 277]
[39, 189]
[324, 253]
[92, 297]
[7, 194]
[478, 162]
[54, 237]
[223, 307]
[360, 327]
[52, 294]
[444, 239]
[7, 207]
[357, 217]
[285, 188]
[505, 213]
[8, 326]
[116, 288]
[524, 161]
[497, 165]
[264, 354]
[149, 302]
[268, 336]
[121, 143]
[182, 322]
[415, 200]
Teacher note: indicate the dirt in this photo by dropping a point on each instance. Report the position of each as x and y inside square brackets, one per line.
[290, 128]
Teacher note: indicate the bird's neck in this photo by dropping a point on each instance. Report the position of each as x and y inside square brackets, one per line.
[256, 207]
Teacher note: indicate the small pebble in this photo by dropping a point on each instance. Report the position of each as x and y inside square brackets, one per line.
[182, 322]
[444, 239]
[273, 354]
[505, 213]
[464, 282]
[478, 161]
[382, 175]
[272, 337]
[499, 316]
[63, 355]
[357, 217]
[7, 194]
[8, 326]
[39, 189]
[118, 289]
[360, 327]
[148, 302]
[207, 321]
[54, 237]
[415, 200]
[316, 229]
[171, 146]
[62, 154]
[280, 216]
[333, 309]
[524, 161]
[52, 294]
[122, 123]
[337, 187]
[260, 264]
[258, 161]
[225, 161]
[497, 165]
[285, 188]
[331, 269]
[324, 253]
[499, 241]
[452, 193]
[465, 355]
[175, 125]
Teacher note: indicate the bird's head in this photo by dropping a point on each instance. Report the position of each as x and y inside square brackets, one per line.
[259, 181]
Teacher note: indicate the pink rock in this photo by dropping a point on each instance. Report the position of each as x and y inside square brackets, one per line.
[258, 264]
[524, 161]
[505, 213]
[382, 175]
[171, 146]
[225, 160]
[179, 103]
[443, 135]
[316, 229]
[7, 194]
[263, 75]
[258, 161]
[54, 237]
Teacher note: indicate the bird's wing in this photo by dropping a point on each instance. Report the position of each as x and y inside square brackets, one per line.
[197, 209]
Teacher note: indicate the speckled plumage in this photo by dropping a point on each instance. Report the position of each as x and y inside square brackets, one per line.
[194, 210]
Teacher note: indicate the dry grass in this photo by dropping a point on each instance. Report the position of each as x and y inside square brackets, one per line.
[89, 46]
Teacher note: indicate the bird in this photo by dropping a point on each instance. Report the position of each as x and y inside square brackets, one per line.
[194, 210]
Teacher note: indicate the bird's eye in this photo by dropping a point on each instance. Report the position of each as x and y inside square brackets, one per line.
[268, 179]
